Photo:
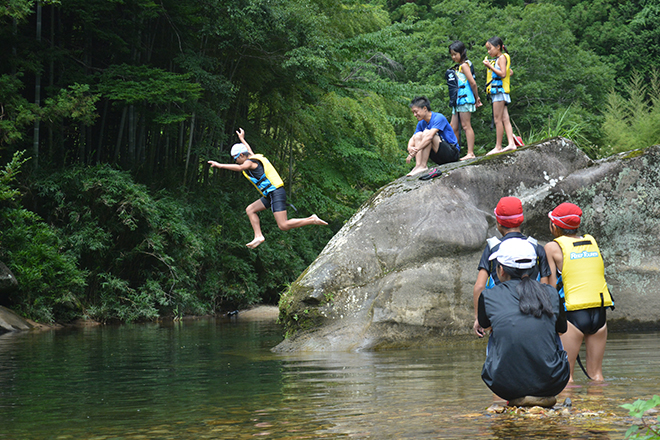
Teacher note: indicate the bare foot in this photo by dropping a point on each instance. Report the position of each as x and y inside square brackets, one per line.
[509, 148]
[416, 170]
[256, 242]
[317, 220]
[494, 151]
[468, 156]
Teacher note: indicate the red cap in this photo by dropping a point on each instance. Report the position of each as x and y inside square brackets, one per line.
[566, 216]
[509, 212]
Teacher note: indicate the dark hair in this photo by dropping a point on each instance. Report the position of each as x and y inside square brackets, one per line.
[421, 102]
[459, 48]
[533, 296]
[497, 41]
[567, 231]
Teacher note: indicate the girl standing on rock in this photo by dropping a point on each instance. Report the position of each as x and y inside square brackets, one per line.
[468, 96]
[498, 62]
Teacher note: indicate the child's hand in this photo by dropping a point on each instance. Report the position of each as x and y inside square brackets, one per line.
[487, 64]
[479, 103]
[214, 164]
[241, 134]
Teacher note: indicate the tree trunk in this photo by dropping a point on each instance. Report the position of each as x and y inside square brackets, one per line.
[99, 148]
[190, 140]
[37, 97]
[120, 135]
[131, 135]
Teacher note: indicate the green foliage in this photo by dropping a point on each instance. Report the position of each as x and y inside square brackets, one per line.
[135, 84]
[567, 123]
[632, 120]
[138, 250]
[322, 89]
[647, 431]
[50, 283]
[16, 113]
[75, 103]
[8, 175]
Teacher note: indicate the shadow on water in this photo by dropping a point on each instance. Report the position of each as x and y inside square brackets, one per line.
[218, 379]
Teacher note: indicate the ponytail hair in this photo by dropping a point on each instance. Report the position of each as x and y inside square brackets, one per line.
[534, 298]
[497, 41]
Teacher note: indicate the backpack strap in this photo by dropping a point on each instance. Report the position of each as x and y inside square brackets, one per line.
[492, 242]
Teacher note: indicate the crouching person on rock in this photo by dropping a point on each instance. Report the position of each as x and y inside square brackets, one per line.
[524, 359]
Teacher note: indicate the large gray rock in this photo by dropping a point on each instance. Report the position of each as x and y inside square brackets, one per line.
[11, 322]
[402, 269]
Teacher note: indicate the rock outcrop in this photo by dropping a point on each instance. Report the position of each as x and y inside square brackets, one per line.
[11, 322]
[402, 269]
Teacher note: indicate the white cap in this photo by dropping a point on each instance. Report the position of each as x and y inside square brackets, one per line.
[515, 252]
[237, 150]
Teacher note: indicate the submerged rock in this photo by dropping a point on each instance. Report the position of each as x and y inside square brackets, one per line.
[401, 270]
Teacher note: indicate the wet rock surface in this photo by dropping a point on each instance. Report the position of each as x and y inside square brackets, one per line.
[400, 272]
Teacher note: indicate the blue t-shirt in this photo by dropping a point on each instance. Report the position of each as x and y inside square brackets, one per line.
[444, 129]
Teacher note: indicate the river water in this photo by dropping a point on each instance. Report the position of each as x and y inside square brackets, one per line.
[218, 379]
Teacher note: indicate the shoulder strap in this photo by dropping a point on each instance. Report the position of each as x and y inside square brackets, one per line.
[532, 240]
[492, 242]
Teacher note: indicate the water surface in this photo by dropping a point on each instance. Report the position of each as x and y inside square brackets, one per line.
[218, 379]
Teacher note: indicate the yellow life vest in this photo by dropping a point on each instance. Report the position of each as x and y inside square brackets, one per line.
[583, 274]
[270, 181]
[496, 83]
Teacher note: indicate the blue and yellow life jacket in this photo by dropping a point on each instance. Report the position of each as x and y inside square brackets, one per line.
[270, 180]
[494, 245]
[497, 84]
[465, 95]
[582, 281]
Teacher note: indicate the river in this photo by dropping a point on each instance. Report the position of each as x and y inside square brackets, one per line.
[217, 379]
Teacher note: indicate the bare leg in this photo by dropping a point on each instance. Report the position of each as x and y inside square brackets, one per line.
[508, 129]
[251, 212]
[469, 134]
[498, 114]
[454, 124]
[595, 352]
[572, 340]
[286, 224]
[421, 156]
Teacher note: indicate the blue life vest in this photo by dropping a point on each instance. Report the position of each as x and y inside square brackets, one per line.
[269, 181]
[465, 94]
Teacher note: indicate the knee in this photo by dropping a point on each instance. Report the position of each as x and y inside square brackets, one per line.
[283, 226]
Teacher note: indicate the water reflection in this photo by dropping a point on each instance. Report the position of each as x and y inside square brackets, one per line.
[218, 379]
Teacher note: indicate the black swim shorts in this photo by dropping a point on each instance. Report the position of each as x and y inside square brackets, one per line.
[275, 200]
[446, 153]
[588, 321]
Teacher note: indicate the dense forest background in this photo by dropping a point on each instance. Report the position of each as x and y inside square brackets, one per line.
[110, 110]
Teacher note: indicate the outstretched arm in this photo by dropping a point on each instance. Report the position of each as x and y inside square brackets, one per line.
[241, 135]
[247, 165]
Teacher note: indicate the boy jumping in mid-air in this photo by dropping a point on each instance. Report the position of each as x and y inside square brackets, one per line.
[263, 176]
